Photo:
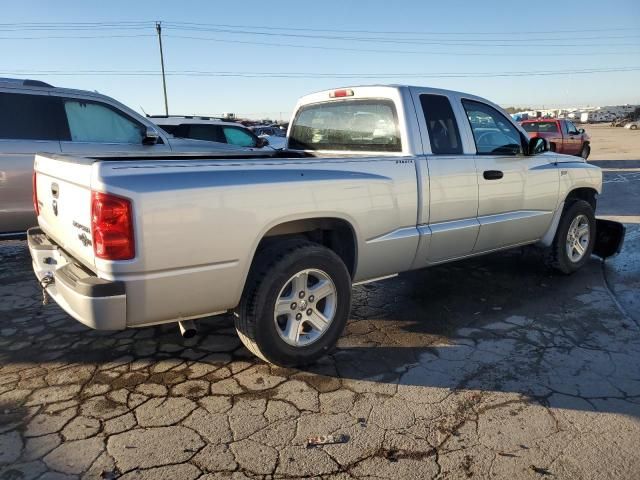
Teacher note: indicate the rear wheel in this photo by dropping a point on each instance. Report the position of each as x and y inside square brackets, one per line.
[633, 127]
[573, 243]
[296, 303]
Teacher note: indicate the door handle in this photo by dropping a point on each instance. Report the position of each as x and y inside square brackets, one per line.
[492, 174]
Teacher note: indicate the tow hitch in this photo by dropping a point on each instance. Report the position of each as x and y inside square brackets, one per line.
[47, 280]
[609, 238]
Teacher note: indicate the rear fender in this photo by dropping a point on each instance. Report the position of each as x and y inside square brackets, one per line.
[609, 238]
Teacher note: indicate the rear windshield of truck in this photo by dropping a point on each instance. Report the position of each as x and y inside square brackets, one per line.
[548, 127]
[349, 125]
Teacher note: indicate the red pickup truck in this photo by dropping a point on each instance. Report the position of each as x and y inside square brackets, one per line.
[562, 134]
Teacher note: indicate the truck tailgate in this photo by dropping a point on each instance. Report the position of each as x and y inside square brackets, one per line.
[64, 201]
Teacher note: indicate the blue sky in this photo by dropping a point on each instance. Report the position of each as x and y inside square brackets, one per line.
[604, 35]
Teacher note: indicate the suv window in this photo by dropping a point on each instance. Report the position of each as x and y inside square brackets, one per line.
[239, 137]
[30, 117]
[211, 133]
[441, 124]
[353, 125]
[99, 123]
[492, 132]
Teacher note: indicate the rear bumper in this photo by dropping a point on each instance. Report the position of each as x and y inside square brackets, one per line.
[97, 303]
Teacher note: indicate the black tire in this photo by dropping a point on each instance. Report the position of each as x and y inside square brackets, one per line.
[559, 256]
[270, 273]
[586, 150]
[633, 127]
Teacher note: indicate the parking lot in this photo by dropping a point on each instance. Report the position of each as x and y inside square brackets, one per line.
[494, 366]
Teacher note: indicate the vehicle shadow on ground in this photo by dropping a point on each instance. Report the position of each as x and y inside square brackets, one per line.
[501, 323]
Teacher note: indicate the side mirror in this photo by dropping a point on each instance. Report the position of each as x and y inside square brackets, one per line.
[151, 136]
[262, 142]
[581, 130]
[538, 145]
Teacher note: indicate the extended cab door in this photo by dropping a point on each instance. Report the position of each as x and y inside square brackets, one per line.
[447, 221]
[95, 127]
[517, 194]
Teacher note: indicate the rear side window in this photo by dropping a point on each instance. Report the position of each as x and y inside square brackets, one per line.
[441, 124]
[95, 122]
[238, 137]
[544, 127]
[211, 133]
[30, 117]
[349, 125]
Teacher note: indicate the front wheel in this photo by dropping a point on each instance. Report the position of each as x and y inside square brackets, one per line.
[633, 127]
[586, 150]
[573, 243]
[296, 303]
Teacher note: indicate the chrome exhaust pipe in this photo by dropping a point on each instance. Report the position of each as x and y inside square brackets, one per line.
[187, 328]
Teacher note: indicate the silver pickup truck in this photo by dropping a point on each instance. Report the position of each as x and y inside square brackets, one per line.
[376, 180]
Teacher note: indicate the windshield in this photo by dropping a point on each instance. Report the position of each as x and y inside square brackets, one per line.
[540, 127]
[350, 125]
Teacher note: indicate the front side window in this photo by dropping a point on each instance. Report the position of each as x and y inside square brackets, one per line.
[30, 117]
[349, 125]
[571, 128]
[540, 127]
[492, 132]
[97, 123]
[441, 124]
[238, 137]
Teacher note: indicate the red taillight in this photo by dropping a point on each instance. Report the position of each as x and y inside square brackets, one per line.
[34, 194]
[112, 227]
[346, 92]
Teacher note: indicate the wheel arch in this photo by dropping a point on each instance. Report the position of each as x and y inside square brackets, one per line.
[588, 194]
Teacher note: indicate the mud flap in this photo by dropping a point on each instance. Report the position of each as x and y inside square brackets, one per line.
[609, 238]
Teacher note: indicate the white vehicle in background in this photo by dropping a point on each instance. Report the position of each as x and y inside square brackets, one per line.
[209, 129]
[38, 117]
[275, 135]
[633, 125]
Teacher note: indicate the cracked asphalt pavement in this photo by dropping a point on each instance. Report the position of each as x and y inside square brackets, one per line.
[491, 367]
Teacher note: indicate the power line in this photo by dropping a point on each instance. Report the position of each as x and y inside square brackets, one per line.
[151, 23]
[406, 32]
[463, 41]
[418, 52]
[305, 75]
[79, 37]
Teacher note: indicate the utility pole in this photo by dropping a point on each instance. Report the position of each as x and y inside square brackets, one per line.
[164, 81]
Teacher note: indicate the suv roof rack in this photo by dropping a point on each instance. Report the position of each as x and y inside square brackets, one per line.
[190, 117]
[26, 82]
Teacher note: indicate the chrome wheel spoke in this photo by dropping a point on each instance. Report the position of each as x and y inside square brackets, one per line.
[292, 331]
[300, 282]
[321, 290]
[579, 248]
[318, 321]
[582, 230]
[283, 306]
